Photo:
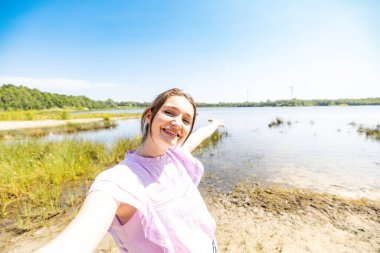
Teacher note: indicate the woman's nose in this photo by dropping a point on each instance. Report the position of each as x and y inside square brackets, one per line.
[177, 121]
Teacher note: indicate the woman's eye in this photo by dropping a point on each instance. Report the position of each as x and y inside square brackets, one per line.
[168, 113]
[186, 121]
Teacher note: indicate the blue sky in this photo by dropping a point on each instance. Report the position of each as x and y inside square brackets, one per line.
[216, 50]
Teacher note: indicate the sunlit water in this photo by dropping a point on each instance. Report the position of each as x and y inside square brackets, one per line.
[318, 150]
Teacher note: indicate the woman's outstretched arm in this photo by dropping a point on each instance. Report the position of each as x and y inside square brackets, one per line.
[201, 134]
[87, 229]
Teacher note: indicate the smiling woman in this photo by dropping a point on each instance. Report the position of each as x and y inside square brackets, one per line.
[149, 202]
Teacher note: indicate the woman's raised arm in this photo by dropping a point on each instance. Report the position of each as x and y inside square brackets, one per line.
[201, 134]
[87, 229]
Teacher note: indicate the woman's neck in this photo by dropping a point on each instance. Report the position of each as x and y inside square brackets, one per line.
[149, 149]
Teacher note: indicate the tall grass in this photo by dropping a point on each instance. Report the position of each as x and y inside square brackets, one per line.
[105, 115]
[67, 128]
[373, 133]
[213, 140]
[58, 114]
[39, 179]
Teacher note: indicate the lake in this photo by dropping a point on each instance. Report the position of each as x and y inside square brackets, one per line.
[318, 149]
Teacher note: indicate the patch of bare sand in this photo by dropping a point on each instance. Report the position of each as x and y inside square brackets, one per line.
[258, 219]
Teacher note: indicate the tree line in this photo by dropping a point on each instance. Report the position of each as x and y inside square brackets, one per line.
[300, 102]
[14, 97]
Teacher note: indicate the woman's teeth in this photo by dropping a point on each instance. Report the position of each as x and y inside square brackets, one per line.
[171, 132]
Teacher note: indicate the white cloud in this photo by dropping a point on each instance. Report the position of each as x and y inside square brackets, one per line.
[55, 84]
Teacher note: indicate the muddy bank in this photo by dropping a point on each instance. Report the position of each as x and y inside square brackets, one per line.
[255, 219]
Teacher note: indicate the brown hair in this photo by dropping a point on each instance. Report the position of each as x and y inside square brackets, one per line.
[156, 106]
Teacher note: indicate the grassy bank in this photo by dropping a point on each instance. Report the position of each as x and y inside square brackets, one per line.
[68, 128]
[40, 179]
[58, 114]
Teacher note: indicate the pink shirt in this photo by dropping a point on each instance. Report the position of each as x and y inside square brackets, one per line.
[171, 215]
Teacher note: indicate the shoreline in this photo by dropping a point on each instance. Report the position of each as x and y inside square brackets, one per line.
[259, 219]
[25, 124]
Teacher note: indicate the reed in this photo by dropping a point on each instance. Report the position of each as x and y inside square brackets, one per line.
[58, 114]
[212, 141]
[40, 179]
[121, 146]
[373, 133]
[68, 128]
[105, 115]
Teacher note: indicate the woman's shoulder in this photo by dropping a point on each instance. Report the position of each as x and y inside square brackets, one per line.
[180, 151]
[192, 165]
[121, 183]
[119, 174]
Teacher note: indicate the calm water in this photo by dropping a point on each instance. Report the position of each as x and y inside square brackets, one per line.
[318, 150]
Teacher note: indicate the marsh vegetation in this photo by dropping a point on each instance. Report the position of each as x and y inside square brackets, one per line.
[373, 133]
[212, 141]
[59, 114]
[68, 128]
[40, 179]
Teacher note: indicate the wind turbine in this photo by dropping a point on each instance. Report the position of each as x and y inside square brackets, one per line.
[291, 91]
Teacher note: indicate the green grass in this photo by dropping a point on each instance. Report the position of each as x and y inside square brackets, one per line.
[40, 179]
[373, 133]
[213, 140]
[58, 114]
[68, 128]
[105, 115]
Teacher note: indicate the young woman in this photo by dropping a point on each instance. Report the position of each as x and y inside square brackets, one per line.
[149, 202]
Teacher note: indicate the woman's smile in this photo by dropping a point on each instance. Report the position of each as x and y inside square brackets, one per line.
[171, 133]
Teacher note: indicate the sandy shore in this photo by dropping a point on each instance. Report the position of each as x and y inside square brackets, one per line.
[254, 219]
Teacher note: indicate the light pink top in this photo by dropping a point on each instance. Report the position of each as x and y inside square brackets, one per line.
[171, 215]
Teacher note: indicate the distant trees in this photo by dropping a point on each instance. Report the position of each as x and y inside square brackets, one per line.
[23, 98]
[298, 102]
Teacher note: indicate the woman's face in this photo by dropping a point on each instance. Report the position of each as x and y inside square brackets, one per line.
[172, 122]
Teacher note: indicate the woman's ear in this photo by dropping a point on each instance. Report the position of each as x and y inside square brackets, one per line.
[148, 116]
